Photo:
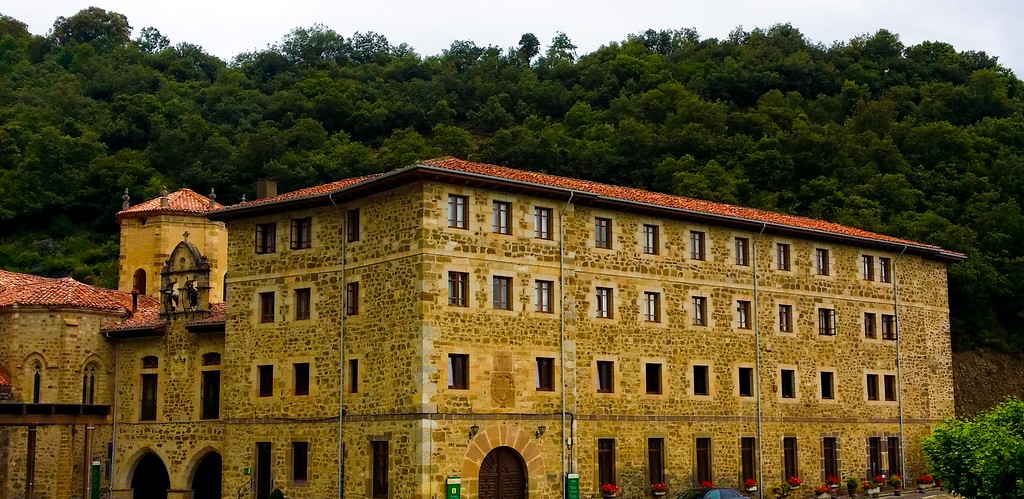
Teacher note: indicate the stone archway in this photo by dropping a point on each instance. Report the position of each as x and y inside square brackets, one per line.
[520, 441]
[150, 479]
[502, 475]
[206, 480]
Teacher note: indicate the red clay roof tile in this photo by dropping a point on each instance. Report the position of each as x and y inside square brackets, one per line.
[316, 190]
[25, 289]
[5, 380]
[146, 317]
[180, 201]
[218, 314]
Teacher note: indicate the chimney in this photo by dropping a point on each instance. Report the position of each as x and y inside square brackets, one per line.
[135, 300]
[266, 188]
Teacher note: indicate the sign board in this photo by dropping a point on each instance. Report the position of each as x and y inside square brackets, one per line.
[572, 486]
[94, 487]
[453, 487]
[247, 471]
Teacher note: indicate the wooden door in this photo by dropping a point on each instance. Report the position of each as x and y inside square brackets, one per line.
[502, 475]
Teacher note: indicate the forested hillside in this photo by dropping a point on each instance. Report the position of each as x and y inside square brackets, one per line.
[921, 142]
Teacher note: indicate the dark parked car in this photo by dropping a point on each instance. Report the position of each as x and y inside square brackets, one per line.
[712, 493]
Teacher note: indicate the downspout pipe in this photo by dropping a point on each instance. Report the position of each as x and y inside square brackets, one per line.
[114, 415]
[899, 363]
[757, 369]
[566, 442]
[341, 351]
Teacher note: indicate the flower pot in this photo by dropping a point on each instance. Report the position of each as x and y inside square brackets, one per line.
[657, 493]
[826, 495]
[873, 491]
[609, 494]
[896, 491]
[752, 489]
[921, 487]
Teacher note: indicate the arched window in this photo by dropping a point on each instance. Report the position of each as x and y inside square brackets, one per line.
[139, 281]
[89, 385]
[211, 359]
[37, 381]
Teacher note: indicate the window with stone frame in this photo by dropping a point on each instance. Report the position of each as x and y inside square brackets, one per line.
[788, 382]
[650, 239]
[742, 251]
[544, 296]
[830, 456]
[545, 374]
[458, 211]
[502, 292]
[381, 456]
[652, 378]
[265, 379]
[789, 458]
[874, 456]
[606, 461]
[743, 314]
[603, 233]
[302, 302]
[700, 310]
[541, 222]
[604, 303]
[266, 238]
[704, 471]
[785, 318]
[267, 307]
[300, 462]
[302, 233]
[701, 380]
[889, 385]
[148, 400]
[352, 228]
[892, 446]
[828, 385]
[89, 384]
[352, 298]
[697, 245]
[353, 375]
[210, 393]
[502, 217]
[748, 458]
[652, 306]
[888, 327]
[458, 289]
[605, 376]
[867, 263]
[782, 257]
[655, 460]
[300, 372]
[872, 386]
[821, 258]
[746, 381]
[458, 371]
[826, 322]
[884, 269]
[869, 325]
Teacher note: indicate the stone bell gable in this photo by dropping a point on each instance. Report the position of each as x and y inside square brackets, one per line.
[185, 280]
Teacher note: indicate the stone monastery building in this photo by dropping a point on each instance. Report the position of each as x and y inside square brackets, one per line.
[460, 319]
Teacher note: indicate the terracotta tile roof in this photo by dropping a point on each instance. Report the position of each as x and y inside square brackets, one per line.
[315, 191]
[146, 317]
[218, 315]
[5, 379]
[25, 289]
[777, 221]
[180, 201]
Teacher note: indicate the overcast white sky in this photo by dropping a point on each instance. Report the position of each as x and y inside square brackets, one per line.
[227, 27]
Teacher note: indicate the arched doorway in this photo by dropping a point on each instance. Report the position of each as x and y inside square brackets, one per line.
[150, 479]
[207, 478]
[502, 475]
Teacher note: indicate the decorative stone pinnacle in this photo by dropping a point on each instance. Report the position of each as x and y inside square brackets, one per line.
[185, 235]
[164, 202]
[213, 199]
[243, 198]
[125, 199]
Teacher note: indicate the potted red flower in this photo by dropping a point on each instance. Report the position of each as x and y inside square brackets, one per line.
[750, 484]
[832, 482]
[924, 482]
[659, 489]
[609, 490]
[823, 492]
[794, 481]
[707, 484]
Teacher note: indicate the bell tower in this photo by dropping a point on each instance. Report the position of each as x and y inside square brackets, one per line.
[154, 230]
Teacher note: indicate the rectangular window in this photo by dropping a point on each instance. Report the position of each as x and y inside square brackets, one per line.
[352, 298]
[300, 461]
[655, 460]
[653, 381]
[606, 460]
[868, 267]
[704, 473]
[821, 257]
[502, 223]
[302, 304]
[148, 409]
[872, 382]
[604, 303]
[605, 376]
[830, 456]
[884, 269]
[828, 386]
[788, 384]
[301, 373]
[701, 384]
[892, 448]
[746, 381]
[650, 239]
[869, 325]
[826, 321]
[380, 469]
[889, 381]
[353, 375]
[545, 374]
[543, 295]
[458, 211]
[458, 289]
[697, 245]
[700, 311]
[785, 318]
[542, 222]
[502, 289]
[652, 307]
[603, 232]
[352, 225]
[267, 307]
[266, 380]
[266, 236]
[782, 257]
[874, 456]
[743, 314]
[302, 233]
[210, 395]
[888, 327]
[748, 458]
[742, 251]
[789, 461]
[458, 371]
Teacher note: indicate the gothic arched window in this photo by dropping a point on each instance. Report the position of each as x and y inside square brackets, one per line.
[89, 385]
[37, 381]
